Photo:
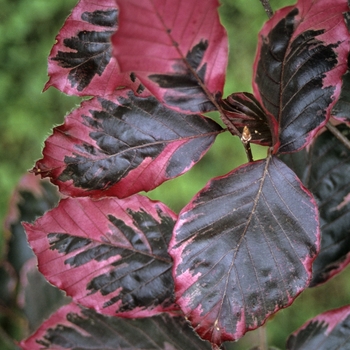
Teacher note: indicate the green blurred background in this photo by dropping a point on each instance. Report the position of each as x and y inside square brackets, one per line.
[27, 32]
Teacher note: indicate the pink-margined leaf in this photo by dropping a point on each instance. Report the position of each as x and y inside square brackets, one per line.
[243, 249]
[81, 61]
[122, 145]
[324, 169]
[244, 110]
[301, 58]
[74, 327]
[327, 331]
[177, 48]
[108, 254]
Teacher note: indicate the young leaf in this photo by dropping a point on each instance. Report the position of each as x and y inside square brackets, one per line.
[81, 61]
[324, 170]
[74, 327]
[243, 109]
[122, 145]
[243, 249]
[110, 255]
[330, 330]
[301, 57]
[178, 49]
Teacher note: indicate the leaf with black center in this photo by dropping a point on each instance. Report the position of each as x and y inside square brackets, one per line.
[74, 327]
[81, 61]
[122, 145]
[243, 249]
[243, 109]
[110, 254]
[298, 69]
[324, 169]
[329, 330]
[178, 49]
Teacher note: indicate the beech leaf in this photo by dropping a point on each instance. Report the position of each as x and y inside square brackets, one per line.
[299, 66]
[74, 327]
[178, 49]
[341, 109]
[31, 198]
[330, 330]
[122, 145]
[324, 170]
[110, 255]
[243, 249]
[243, 110]
[81, 61]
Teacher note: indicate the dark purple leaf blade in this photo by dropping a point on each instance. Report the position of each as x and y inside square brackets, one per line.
[36, 296]
[324, 169]
[178, 49]
[243, 249]
[81, 61]
[243, 110]
[110, 254]
[301, 57]
[31, 198]
[341, 109]
[329, 330]
[122, 145]
[74, 327]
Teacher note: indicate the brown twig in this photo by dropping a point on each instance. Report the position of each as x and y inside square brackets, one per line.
[267, 7]
[344, 140]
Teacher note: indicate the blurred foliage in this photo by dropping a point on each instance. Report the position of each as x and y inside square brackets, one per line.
[27, 32]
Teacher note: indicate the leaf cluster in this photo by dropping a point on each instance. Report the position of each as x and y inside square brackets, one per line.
[250, 241]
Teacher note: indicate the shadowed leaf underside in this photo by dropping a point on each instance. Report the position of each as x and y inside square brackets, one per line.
[243, 249]
[122, 145]
[243, 109]
[110, 255]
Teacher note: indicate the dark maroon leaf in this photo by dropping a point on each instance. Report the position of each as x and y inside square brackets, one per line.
[243, 249]
[341, 109]
[324, 170]
[31, 198]
[243, 109]
[122, 145]
[110, 255]
[8, 283]
[301, 58]
[178, 49]
[36, 296]
[81, 62]
[330, 330]
[73, 327]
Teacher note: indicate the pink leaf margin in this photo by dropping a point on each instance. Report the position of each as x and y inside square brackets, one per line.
[111, 77]
[173, 28]
[314, 15]
[60, 219]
